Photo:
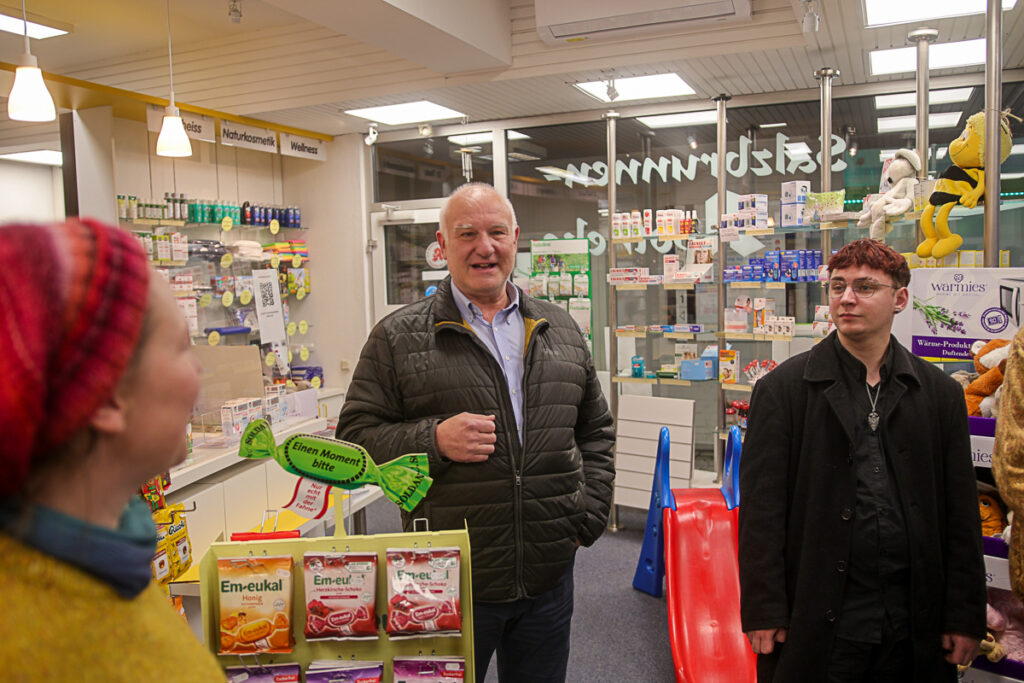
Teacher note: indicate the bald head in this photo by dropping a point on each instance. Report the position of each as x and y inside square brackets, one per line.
[473, 193]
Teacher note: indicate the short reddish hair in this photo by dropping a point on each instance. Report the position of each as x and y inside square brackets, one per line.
[873, 254]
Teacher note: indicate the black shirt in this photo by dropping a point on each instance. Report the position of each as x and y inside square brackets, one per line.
[876, 597]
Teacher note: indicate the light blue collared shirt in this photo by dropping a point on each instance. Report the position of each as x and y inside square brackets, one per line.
[504, 337]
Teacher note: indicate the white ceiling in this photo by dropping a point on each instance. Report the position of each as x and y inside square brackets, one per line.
[284, 68]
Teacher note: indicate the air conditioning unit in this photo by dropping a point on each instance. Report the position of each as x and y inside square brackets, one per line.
[565, 22]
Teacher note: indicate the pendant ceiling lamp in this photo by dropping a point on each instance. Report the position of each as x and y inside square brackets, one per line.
[29, 99]
[173, 141]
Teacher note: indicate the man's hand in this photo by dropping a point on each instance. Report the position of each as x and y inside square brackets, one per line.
[962, 649]
[763, 640]
[466, 437]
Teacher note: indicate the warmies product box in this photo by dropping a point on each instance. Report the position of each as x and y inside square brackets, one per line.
[795, 191]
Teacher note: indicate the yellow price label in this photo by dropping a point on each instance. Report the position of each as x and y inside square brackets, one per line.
[316, 382]
[214, 338]
[245, 297]
[275, 227]
[227, 223]
[304, 354]
[290, 384]
[205, 300]
[296, 260]
[290, 357]
[227, 299]
[301, 294]
[226, 260]
[270, 359]
[275, 261]
[291, 329]
[303, 327]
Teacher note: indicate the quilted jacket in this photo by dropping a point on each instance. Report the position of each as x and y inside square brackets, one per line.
[528, 504]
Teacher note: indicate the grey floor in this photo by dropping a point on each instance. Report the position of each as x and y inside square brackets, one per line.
[618, 633]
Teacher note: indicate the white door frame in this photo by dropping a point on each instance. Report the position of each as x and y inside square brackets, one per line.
[379, 220]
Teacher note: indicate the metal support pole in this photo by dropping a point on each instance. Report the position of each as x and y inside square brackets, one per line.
[611, 118]
[720, 103]
[825, 76]
[922, 36]
[993, 114]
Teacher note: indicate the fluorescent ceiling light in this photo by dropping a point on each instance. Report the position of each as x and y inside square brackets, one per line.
[884, 154]
[909, 99]
[690, 118]
[409, 112]
[1011, 176]
[562, 173]
[483, 138]
[638, 88]
[797, 148]
[940, 56]
[36, 156]
[782, 124]
[885, 12]
[892, 124]
[35, 31]
[1017, 149]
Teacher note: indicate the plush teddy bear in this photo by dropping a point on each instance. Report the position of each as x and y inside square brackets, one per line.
[963, 183]
[1006, 622]
[900, 175]
[989, 361]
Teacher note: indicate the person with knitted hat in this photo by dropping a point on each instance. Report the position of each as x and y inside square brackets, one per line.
[98, 381]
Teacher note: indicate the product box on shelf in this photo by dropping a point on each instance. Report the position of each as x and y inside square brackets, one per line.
[757, 203]
[699, 369]
[792, 215]
[795, 191]
[648, 225]
[728, 365]
[636, 224]
[234, 417]
[751, 220]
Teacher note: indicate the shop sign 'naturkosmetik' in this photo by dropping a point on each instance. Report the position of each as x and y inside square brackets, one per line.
[196, 127]
[248, 137]
[306, 148]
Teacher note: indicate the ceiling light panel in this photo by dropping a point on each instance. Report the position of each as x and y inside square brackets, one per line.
[690, 118]
[483, 138]
[893, 124]
[909, 99]
[886, 12]
[35, 31]
[638, 88]
[940, 56]
[37, 156]
[409, 112]
[782, 124]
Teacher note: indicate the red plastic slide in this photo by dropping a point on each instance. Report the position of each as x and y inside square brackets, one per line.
[703, 585]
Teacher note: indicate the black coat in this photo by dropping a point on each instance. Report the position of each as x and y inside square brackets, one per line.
[526, 506]
[798, 493]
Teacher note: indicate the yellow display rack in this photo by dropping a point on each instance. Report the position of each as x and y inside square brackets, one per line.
[383, 649]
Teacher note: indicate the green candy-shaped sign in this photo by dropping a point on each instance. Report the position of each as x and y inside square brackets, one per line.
[404, 480]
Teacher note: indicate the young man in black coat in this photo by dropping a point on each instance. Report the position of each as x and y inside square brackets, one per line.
[859, 538]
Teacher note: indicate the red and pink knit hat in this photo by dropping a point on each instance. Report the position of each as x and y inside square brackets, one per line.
[72, 300]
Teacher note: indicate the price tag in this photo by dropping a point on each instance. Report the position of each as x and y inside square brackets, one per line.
[228, 299]
[214, 338]
[226, 260]
[289, 356]
[205, 300]
[303, 327]
[304, 354]
[729, 234]
[301, 294]
[227, 223]
[270, 359]
[275, 227]
[316, 382]
[291, 329]
[275, 261]
[297, 260]
[245, 297]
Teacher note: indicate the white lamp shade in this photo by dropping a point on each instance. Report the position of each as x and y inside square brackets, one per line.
[29, 99]
[173, 141]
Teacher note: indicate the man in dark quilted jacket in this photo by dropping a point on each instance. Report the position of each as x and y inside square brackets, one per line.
[499, 389]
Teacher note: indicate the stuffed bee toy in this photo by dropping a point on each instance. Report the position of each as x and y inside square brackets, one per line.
[963, 183]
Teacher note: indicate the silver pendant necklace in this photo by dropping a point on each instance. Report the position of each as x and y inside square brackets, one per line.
[873, 415]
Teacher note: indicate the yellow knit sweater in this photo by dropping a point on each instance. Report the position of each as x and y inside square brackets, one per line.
[58, 623]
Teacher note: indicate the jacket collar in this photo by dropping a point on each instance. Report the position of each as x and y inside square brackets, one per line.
[445, 309]
[823, 364]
